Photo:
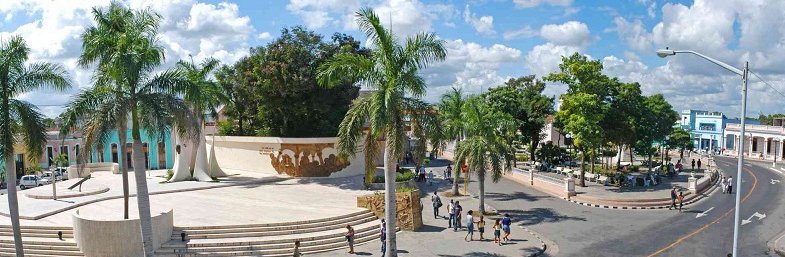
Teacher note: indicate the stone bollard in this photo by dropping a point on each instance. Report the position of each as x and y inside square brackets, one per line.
[692, 184]
[569, 187]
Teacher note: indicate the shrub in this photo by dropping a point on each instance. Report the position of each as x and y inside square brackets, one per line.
[403, 176]
[521, 157]
[634, 168]
[169, 174]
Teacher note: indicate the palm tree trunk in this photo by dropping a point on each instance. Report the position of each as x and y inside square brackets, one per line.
[481, 178]
[583, 165]
[456, 171]
[591, 167]
[196, 142]
[142, 195]
[123, 136]
[389, 198]
[13, 203]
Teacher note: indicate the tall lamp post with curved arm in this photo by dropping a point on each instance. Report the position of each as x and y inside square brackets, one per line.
[744, 78]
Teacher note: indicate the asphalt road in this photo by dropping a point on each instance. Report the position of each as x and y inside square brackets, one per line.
[587, 231]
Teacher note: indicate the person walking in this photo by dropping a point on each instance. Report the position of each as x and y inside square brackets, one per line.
[497, 232]
[296, 251]
[422, 173]
[449, 172]
[506, 222]
[430, 177]
[699, 164]
[383, 236]
[681, 200]
[481, 227]
[350, 238]
[469, 226]
[730, 185]
[450, 211]
[457, 209]
[437, 203]
[693, 165]
[724, 184]
[673, 199]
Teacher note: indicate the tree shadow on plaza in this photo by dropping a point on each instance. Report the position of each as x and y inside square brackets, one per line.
[514, 196]
[475, 254]
[537, 215]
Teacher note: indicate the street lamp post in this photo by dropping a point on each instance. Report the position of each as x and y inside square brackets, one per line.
[744, 78]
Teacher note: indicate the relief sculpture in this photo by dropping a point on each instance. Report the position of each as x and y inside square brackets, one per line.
[308, 160]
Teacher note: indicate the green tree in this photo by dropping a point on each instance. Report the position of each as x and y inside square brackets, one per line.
[657, 119]
[485, 147]
[626, 109]
[450, 112]
[522, 98]
[123, 47]
[237, 83]
[580, 115]
[20, 120]
[391, 71]
[680, 139]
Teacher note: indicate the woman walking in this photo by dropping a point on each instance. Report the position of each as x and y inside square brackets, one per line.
[506, 222]
[681, 200]
[724, 184]
[481, 227]
[497, 232]
[350, 238]
[469, 226]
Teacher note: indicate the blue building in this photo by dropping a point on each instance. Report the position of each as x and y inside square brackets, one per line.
[707, 128]
[158, 153]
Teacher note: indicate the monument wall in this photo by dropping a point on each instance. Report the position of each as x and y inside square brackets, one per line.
[296, 157]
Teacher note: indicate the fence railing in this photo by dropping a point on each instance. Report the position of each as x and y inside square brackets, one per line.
[539, 177]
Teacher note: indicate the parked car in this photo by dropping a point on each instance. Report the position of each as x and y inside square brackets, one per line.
[63, 171]
[48, 176]
[30, 181]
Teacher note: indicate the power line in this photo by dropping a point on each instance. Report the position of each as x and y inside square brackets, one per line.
[767, 83]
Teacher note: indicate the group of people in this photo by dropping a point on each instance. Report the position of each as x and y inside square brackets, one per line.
[420, 175]
[727, 184]
[454, 209]
[676, 197]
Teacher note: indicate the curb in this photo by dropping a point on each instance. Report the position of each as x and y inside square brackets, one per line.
[543, 245]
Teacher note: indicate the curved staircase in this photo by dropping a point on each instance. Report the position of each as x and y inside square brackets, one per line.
[274, 239]
[39, 241]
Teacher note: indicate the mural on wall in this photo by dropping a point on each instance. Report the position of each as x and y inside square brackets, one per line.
[308, 160]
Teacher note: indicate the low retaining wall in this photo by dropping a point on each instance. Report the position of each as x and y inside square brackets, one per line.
[296, 157]
[119, 238]
[380, 186]
[408, 212]
[87, 168]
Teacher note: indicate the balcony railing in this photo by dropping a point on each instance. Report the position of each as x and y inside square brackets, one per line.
[757, 128]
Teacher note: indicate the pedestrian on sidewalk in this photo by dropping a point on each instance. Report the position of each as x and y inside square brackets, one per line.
[506, 222]
[457, 209]
[469, 226]
[296, 251]
[450, 208]
[673, 199]
[681, 200]
[437, 203]
[497, 232]
[430, 177]
[481, 227]
[383, 236]
[350, 238]
[724, 184]
[449, 172]
[693, 165]
[422, 172]
[699, 164]
[730, 185]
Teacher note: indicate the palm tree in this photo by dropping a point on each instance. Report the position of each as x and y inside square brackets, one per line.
[485, 145]
[202, 95]
[20, 120]
[391, 71]
[124, 49]
[450, 109]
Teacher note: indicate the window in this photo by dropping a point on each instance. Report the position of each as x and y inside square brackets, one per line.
[64, 150]
[754, 145]
[49, 155]
[100, 152]
[114, 153]
[129, 149]
[146, 151]
[707, 126]
[161, 155]
[76, 152]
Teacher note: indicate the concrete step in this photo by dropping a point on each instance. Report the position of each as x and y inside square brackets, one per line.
[56, 228]
[286, 244]
[39, 241]
[37, 235]
[41, 247]
[248, 232]
[279, 224]
[221, 242]
[29, 252]
[38, 231]
[275, 252]
[265, 228]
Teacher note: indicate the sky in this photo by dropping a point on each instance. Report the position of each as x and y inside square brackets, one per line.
[487, 41]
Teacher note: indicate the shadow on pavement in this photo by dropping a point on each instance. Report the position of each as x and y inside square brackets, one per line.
[475, 254]
[514, 196]
[537, 216]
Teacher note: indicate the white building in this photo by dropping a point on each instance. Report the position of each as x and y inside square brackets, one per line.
[551, 134]
[761, 141]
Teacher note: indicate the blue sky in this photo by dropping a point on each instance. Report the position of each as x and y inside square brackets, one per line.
[488, 41]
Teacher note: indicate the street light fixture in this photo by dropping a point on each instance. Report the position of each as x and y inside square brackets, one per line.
[744, 78]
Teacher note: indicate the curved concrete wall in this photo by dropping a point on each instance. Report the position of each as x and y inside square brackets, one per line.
[253, 153]
[92, 167]
[119, 238]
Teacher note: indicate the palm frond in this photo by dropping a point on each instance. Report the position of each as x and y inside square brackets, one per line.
[350, 131]
[38, 75]
[31, 127]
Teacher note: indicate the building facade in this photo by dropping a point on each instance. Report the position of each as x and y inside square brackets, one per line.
[552, 135]
[707, 129]
[760, 141]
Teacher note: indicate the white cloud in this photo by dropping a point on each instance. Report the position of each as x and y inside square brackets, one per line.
[544, 59]
[264, 36]
[319, 13]
[634, 34]
[535, 3]
[470, 66]
[525, 32]
[572, 33]
[483, 24]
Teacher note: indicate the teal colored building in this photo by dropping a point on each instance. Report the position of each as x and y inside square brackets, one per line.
[158, 152]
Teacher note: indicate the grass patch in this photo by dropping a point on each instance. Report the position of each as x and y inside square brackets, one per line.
[403, 176]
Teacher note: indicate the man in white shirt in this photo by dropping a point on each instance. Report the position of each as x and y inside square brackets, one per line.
[452, 214]
[730, 185]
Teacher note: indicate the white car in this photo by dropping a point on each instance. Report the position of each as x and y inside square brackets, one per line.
[48, 175]
[30, 181]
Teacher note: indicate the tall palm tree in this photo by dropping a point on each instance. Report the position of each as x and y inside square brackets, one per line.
[124, 49]
[391, 71]
[203, 95]
[450, 109]
[20, 120]
[485, 146]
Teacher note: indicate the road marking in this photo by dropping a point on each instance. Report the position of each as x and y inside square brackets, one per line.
[693, 233]
[704, 213]
[758, 215]
[775, 181]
